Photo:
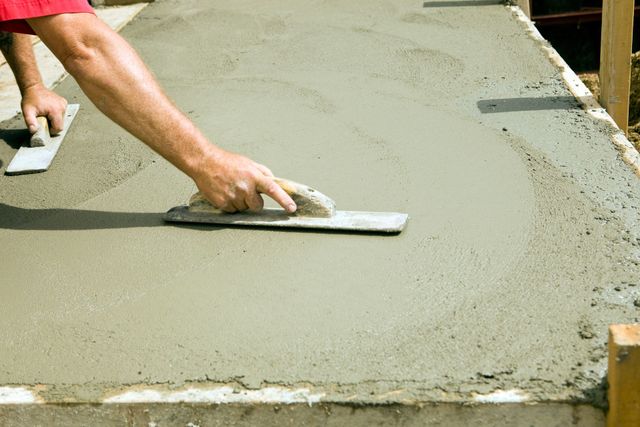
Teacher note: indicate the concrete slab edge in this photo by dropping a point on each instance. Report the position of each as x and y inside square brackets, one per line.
[218, 395]
[235, 393]
[224, 404]
[17, 395]
[328, 414]
[583, 95]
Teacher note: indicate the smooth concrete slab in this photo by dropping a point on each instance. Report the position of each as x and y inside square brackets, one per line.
[522, 244]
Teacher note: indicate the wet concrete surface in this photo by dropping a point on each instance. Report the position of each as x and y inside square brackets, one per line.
[520, 250]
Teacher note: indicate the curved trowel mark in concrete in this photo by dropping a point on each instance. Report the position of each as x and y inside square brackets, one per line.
[422, 18]
[371, 53]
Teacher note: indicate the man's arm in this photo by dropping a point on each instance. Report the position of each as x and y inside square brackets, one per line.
[37, 100]
[116, 80]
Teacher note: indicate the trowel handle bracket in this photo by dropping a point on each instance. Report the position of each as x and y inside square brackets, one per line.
[310, 201]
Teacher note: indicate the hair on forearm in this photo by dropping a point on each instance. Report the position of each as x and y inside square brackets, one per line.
[6, 40]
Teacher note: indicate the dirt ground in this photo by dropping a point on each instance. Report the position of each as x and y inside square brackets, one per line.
[592, 81]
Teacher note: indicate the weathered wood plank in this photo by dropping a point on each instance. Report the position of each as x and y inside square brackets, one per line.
[615, 59]
[624, 376]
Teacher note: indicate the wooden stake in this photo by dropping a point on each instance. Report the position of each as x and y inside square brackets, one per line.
[525, 5]
[624, 376]
[615, 59]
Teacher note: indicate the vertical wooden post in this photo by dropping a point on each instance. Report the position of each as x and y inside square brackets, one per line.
[615, 59]
[624, 376]
[525, 5]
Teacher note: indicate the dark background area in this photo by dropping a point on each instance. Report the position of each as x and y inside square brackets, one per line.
[573, 28]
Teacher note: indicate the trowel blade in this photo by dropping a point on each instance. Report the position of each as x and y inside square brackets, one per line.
[370, 222]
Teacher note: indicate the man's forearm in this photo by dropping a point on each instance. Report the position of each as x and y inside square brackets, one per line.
[112, 75]
[18, 52]
[116, 80]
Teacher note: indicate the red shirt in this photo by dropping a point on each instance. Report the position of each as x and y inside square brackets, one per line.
[13, 13]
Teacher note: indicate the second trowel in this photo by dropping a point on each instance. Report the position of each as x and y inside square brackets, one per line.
[42, 148]
[315, 210]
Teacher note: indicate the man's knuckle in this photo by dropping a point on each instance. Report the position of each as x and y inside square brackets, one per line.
[271, 187]
[242, 188]
[217, 201]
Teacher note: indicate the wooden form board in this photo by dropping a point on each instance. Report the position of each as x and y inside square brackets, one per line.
[525, 5]
[624, 376]
[615, 59]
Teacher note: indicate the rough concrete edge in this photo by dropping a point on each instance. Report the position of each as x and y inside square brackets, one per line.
[18, 395]
[582, 94]
[194, 400]
[235, 393]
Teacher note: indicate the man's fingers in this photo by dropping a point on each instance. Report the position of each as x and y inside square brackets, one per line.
[254, 202]
[228, 208]
[265, 170]
[222, 204]
[56, 117]
[37, 101]
[30, 118]
[273, 190]
[56, 122]
[240, 205]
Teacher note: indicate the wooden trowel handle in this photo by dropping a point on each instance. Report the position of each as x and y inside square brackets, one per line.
[310, 202]
[41, 137]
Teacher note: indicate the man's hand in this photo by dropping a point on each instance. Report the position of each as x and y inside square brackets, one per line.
[37, 100]
[232, 183]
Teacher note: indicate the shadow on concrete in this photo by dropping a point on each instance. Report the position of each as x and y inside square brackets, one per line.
[12, 217]
[14, 138]
[15, 218]
[597, 395]
[461, 3]
[323, 231]
[507, 105]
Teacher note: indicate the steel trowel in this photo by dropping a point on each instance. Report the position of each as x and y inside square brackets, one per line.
[42, 148]
[315, 211]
